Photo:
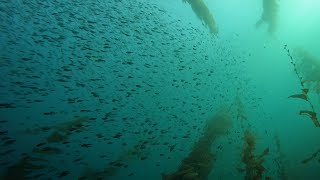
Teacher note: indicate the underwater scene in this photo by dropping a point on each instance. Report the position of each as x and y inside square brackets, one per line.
[160, 89]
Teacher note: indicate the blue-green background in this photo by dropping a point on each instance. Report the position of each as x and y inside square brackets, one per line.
[186, 75]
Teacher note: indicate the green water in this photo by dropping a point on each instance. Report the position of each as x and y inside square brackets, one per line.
[194, 89]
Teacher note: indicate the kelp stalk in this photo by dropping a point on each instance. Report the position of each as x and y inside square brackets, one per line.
[304, 95]
[199, 163]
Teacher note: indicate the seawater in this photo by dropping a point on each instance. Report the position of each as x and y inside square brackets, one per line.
[170, 89]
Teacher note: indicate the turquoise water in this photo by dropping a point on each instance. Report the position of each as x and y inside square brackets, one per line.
[164, 89]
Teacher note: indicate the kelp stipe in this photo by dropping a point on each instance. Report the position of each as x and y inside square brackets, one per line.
[304, 78]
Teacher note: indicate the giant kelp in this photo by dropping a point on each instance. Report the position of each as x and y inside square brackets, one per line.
[199, 163]
[254, 164]
[241, 113]
[61, 132]
[313, 156]
[204, 14]
[38, 159]
[24, 167]
[254, 168]
[307, 69]
[269, 15]
[279, 161]
[139, 150]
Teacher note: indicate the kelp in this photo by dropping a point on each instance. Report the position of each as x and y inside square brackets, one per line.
[30, 162]
[241, 113]
[313, 156]
[308, 67]
[199, 163]
[279, 161]
[204, 14]
[300, 96]
[269, 15]
[61, 132]
[56, 137]
[254, 164]
[111, 169]
[306, 70]
[254, 168]
[24, 167]
[91, 174]
[312, 115]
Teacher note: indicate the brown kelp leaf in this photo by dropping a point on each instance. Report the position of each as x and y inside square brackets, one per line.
[314, 155]
[203, 13]
[312, 115]
[305, 91]
[264, 153]
[300, 96]
[22, 168]
[56, 137]
[253, 164]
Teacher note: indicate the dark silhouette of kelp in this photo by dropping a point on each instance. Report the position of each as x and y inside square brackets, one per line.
[112, 168]
[313, 156]
[306, 71]
[279, 161]
[269, 15]
[36, 160]
[24, 167]
[204, 14]
[199, 163]
[254, 168]
[254, 164]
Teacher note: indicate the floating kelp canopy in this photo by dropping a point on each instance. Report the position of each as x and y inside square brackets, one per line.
[269, 15]
[204, 14]
[199, 163]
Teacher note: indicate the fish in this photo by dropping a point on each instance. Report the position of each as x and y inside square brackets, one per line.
[86, 145]
[3, 132]
[172, 147]
[9, 142]
[47, 150]
[7, 105]
[63, 174]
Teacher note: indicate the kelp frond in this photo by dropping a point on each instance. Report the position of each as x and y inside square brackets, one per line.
[204, 14]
